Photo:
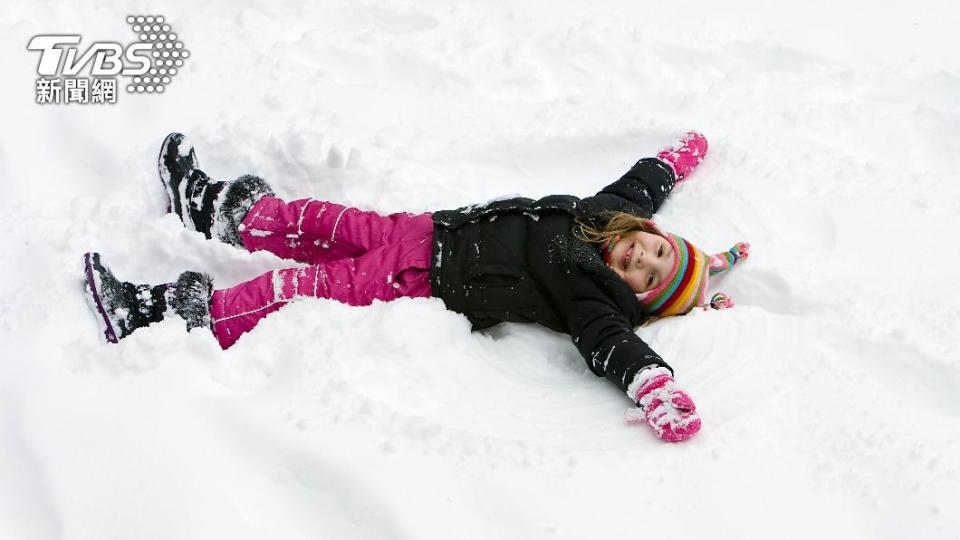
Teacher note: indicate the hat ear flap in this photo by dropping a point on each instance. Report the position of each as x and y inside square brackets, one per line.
[722, 262]
[717, 264]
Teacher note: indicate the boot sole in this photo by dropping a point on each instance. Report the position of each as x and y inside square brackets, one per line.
[162, 168]
[95, 302]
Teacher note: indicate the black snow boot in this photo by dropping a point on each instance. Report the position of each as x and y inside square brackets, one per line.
[212, 208]
[121, 307]
[176, 159]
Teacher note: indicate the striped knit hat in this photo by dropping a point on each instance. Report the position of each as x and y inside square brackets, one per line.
[686, 286]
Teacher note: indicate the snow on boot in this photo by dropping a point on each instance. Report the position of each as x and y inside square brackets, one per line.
[685, 156]
[176, 159]
[213, 208]
[187, 187]
[189, 297]
[663, 405]
[121, 307]
[232, 206]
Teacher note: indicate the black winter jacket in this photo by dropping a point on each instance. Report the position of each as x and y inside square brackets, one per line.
[518, 260]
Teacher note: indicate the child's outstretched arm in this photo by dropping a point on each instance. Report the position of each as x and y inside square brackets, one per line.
[607, 342]
[646, 185]
[641, 190]
[611, 349]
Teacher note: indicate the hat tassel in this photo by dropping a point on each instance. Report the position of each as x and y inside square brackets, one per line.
[721, 301]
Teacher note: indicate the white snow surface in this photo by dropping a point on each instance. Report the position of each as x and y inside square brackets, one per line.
[830, 395]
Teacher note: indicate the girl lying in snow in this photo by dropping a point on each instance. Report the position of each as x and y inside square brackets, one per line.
[592, 268]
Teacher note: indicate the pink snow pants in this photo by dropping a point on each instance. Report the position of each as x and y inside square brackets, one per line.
[355, 257]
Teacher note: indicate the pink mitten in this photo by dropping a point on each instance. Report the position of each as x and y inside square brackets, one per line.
[685, 156]
[662, 404]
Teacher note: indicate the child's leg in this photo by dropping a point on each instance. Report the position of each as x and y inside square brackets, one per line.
[385, 273]
[313, 231]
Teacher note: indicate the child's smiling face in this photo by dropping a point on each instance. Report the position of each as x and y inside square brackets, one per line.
[643, 260]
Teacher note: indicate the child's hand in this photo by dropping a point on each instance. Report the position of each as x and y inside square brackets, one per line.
[666, 407]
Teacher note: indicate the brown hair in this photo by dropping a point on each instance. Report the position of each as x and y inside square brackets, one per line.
[617, 224]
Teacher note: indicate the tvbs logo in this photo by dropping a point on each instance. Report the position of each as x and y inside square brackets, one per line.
[147, 65]
[106, 56]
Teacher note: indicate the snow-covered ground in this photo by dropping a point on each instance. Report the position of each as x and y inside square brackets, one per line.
[830, 395]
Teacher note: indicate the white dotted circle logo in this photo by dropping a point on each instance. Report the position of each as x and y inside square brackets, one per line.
[167, 51]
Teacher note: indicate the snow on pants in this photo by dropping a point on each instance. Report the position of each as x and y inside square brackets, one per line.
[355, 257]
